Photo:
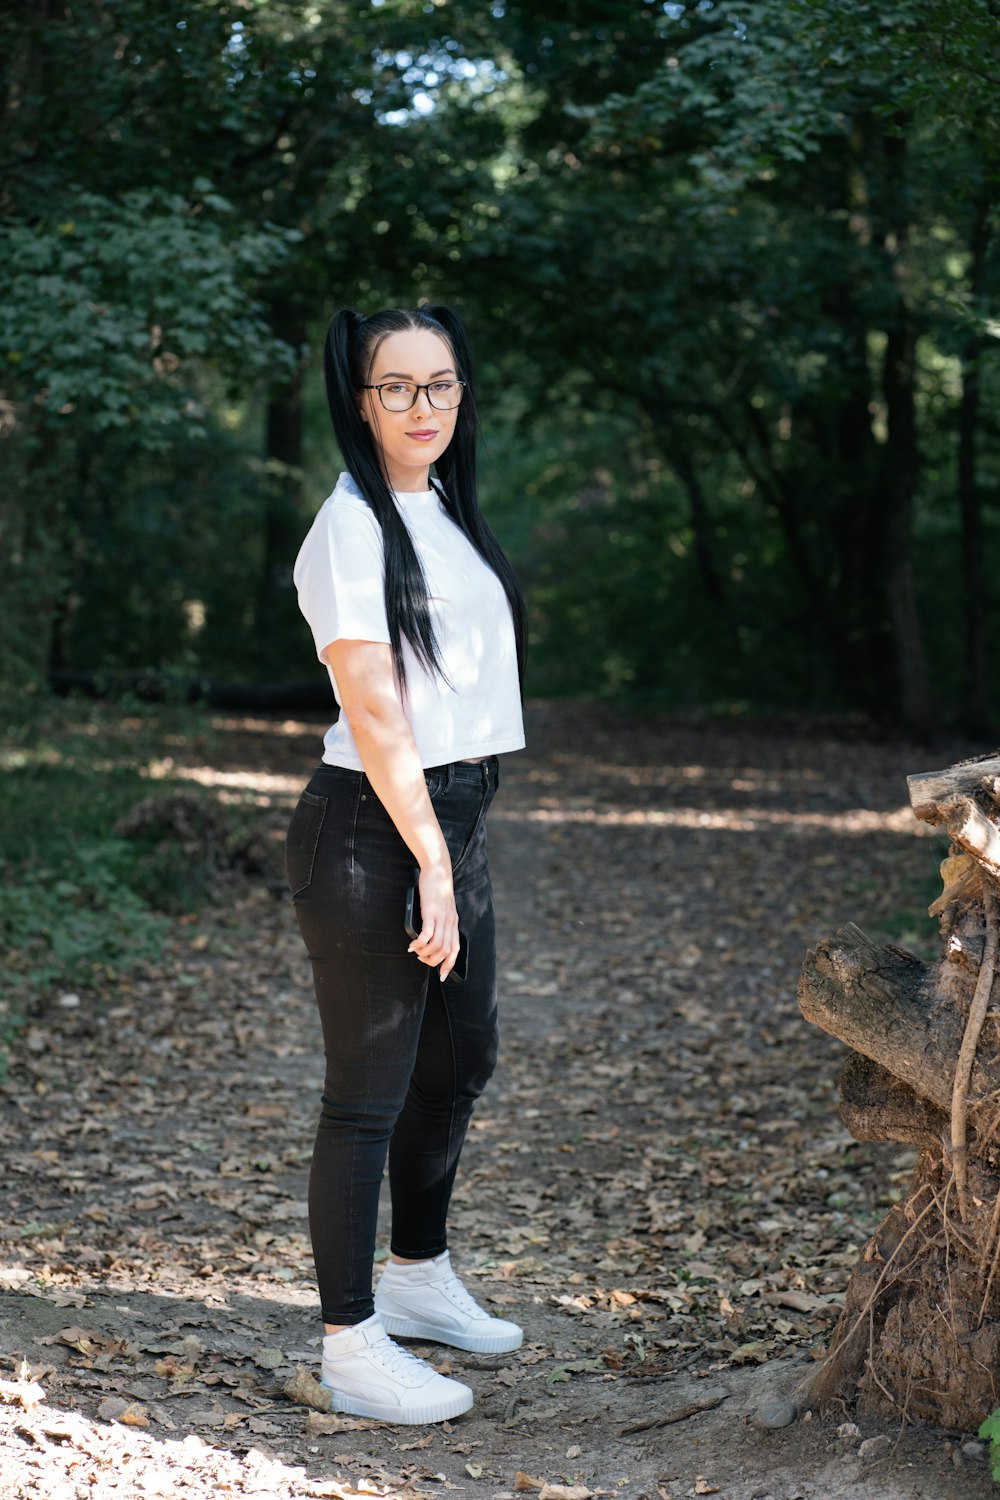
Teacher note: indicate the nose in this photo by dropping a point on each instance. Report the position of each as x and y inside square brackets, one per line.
[422, 406]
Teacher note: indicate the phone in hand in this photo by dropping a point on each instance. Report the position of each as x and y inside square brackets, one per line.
[411, 924]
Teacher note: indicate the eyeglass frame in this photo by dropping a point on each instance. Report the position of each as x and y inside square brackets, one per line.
[417, 389]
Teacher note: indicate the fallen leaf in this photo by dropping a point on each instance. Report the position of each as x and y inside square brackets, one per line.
[25, 1391]
[320, 1424]
[263, 1428]
[306, 1390]
[755, 1353]
[117, 1409]
[574, 1367]
[424, 1442]
[76, 1338]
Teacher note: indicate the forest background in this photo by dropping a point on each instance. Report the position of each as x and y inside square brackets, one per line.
[731, 268]
[733, 275]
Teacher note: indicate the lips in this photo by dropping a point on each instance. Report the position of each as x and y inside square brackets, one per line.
[424, 435]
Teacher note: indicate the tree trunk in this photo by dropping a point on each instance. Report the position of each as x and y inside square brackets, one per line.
[282, 521]
[920, 1331]
[899, 478]
[975, 704]
[679, 457]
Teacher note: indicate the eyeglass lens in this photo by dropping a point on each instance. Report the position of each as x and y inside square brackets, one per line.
[443, 395]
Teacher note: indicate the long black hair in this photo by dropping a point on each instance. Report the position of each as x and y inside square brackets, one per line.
[351, 345]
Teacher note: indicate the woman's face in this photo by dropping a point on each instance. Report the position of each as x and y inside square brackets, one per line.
[410, 441]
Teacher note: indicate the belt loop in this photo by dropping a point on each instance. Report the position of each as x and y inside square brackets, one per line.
[449, 775]
[485, 768]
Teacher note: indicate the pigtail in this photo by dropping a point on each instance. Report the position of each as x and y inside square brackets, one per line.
[351, 343]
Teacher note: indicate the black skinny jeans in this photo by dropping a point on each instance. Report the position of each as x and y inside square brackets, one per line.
[407, 1056]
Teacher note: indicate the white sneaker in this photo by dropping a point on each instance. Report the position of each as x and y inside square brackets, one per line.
[426, 1300]
[370, 1376]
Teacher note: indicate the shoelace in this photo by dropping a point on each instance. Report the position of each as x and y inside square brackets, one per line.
[461, 1298]
[396, 1360]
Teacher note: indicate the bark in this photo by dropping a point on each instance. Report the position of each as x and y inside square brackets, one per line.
[976, 705]
[901, 457]
[881, 1002]
[701, 522]
[282, 520]
[932, 791]
[875, 1106]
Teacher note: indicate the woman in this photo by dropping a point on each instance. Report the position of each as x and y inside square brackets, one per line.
[419, 619]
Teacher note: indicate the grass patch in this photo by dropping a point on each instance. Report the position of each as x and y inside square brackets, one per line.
[80, 906]
[902, 919]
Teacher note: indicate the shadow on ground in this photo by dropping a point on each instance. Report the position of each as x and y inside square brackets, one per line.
[657, 1185]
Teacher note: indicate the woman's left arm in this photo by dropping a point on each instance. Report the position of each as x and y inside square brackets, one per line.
[368, 698]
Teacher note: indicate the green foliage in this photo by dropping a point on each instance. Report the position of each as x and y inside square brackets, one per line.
[739, 262]
[990, 1431]
[80, 906]
[735, 240]
[103, 303]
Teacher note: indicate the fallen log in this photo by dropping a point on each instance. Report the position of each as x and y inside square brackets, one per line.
[875, 1106]
[931, 791]
[920, 1331]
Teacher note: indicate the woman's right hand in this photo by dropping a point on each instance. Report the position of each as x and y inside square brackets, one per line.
[437, 940]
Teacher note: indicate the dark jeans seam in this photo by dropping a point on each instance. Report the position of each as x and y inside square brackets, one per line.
[396, 1246]
[445, 1189]
[353, 1179]
[484, 803]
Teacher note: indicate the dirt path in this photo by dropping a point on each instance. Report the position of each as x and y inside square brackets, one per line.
[657, 1185]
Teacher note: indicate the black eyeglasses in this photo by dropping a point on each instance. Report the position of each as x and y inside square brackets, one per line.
[400, 395]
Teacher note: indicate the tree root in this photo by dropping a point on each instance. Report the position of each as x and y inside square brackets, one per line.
[967, 1053]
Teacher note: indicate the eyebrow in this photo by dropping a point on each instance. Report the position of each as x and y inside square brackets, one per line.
[398, 375]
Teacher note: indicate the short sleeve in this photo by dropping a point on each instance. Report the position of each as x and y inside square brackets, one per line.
[339, 574]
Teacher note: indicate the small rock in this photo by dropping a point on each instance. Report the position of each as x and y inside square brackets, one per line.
[874, 1448]
[972, 1449]
[69, 1002]
[849, 1432]
[957, 1460]
[775, 1414]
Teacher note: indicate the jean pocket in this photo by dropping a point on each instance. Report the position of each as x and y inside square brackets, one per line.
[302, 842]
[435, 782]
[473, 832]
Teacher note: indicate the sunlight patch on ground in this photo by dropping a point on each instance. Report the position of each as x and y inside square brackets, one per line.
[264, 786]
[79, 1453]
[268, 726]
[747, 820]
[739, 778]
[246, 782]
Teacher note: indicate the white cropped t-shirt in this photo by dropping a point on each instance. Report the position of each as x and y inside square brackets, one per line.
[340, 573]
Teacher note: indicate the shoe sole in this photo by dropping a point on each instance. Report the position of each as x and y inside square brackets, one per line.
[439, 1411]
[484, 1343]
